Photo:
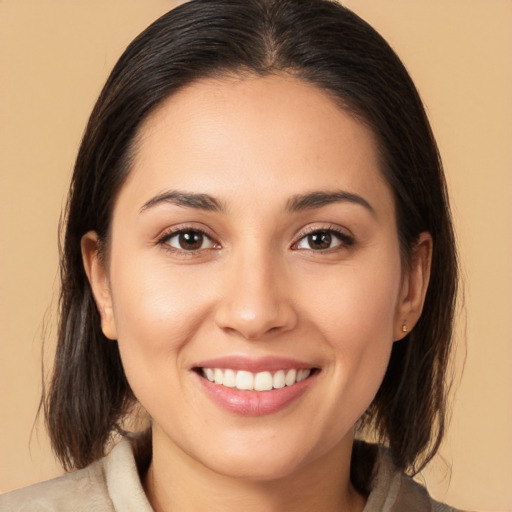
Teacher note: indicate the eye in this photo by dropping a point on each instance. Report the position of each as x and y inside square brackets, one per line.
[189, 240]
[323, 240]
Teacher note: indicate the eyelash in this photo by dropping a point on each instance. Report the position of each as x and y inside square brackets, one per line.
[165, 238]
[344, 239]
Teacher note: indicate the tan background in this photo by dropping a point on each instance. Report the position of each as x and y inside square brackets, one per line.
[55, 56]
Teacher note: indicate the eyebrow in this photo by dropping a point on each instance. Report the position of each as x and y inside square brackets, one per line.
[318, 199]
[186, 200]
[297, 203]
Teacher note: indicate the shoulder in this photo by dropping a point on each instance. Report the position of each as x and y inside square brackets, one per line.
[107, 485]
[80, 490]
[408, 495]
[394, 491]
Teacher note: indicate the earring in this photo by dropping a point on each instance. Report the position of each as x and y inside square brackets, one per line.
[404, 327]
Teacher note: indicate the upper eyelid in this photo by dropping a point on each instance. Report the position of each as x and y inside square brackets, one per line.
[334, 228]
[163, 239]
[343, 234]
[174, 230]
[172, 234]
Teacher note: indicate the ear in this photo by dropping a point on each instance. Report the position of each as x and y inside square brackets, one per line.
[414, 287]
[94, 266]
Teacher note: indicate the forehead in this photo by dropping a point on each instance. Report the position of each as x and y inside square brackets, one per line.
[220, 132]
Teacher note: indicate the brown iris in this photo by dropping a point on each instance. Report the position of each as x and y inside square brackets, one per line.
[191, 240]
[320, 240]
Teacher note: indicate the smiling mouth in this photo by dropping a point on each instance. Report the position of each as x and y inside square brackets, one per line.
[261, 381]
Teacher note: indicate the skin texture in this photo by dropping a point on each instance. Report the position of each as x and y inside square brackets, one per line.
[254, 288]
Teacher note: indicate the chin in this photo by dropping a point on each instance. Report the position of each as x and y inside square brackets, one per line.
[260, 468]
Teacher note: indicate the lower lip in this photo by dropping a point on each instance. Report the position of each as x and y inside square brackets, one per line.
[255, 403]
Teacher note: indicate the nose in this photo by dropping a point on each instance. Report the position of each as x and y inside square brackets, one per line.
[256, 297]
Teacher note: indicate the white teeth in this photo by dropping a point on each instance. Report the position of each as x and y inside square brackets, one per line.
[291, 375]
[302, 375]
[261, 381]
[210, 375]
[244, 380]
[229, 379]
[278, 381]
[218, 375]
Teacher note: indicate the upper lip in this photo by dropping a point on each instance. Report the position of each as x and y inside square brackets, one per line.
[254, 365]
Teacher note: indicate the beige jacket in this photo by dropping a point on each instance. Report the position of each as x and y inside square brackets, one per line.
[112, 484]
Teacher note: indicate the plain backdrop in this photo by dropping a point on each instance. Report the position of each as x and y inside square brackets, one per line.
[55, 56]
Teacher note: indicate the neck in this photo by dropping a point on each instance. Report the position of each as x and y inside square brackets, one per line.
[175, 481]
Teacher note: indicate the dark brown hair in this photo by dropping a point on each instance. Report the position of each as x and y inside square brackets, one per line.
[325, 44]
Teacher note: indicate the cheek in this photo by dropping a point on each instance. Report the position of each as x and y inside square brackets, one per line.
[355, 316]
[157, 312]
[355, 306]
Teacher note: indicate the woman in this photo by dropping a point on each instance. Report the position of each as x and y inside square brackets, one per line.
[259, 252]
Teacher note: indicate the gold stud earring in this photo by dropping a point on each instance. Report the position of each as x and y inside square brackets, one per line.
[404, 327]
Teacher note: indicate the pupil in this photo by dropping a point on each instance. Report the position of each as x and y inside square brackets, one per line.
[320, 240]
[191, 240]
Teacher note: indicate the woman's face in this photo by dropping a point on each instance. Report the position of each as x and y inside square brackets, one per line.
[254, 243]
